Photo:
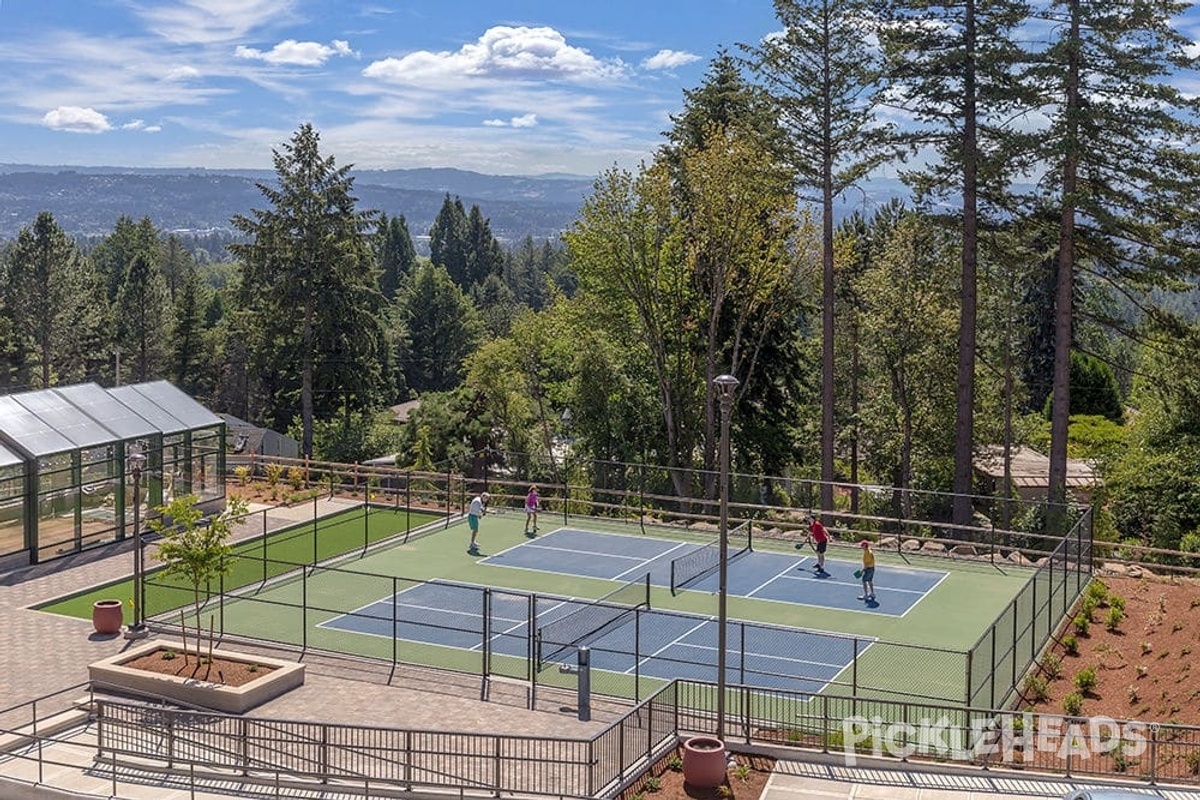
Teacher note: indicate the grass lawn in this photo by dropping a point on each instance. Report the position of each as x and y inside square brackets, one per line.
[258, 559]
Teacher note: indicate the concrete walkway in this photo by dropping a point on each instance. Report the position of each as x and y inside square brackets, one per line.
[44, 653]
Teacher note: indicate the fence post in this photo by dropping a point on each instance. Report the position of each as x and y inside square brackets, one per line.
[854, 667]
[1153, 752]
[969, 695]
[499, 755]
[824, 723]
[992, 694]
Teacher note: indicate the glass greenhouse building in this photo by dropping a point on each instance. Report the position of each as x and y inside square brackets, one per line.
[65, 479]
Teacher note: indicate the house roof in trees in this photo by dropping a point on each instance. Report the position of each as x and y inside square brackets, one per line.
[1031, 470]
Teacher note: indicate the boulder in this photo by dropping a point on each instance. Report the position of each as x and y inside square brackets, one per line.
[1017, 557]
[911, 545]
[963, 551]
[887, 543]
[934, 548]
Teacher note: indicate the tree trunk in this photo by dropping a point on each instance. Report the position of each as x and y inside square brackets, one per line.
[964, 443]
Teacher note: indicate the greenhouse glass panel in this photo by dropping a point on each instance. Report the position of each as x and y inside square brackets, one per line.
[12, 503]
[58, 413]
[28, 432]
[100, 405]
[58, 496]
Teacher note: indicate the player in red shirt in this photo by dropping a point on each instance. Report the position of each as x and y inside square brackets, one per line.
[819, 537]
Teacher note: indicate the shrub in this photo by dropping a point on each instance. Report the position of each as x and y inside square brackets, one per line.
[1081, 623]
[675, 764]
[1036, 688]
[1087, 609]
[1073, 704]
[274, 473]
[295, 477]
[1116, 601]
[1133, 694]
[1085, 679]
[1146, 648]
[1115, 617]
[653, 783]
[1192, 760]
[1098, 591]
[1052, 665]
[1071, 645]
[243, 474]
[741, 772]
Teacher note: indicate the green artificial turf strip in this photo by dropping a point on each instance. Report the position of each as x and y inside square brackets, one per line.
[337, 535]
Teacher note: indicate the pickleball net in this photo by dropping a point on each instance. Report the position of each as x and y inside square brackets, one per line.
[592, 620]
[697, 564]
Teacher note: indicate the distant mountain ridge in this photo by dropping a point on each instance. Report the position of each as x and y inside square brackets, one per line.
[87, 201]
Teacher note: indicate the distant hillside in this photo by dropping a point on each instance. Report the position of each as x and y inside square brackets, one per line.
[86, 201]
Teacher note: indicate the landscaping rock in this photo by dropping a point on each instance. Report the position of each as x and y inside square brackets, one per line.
[934, 548]
[911, 545]
[963, 551]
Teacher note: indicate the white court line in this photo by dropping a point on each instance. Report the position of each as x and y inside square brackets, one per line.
[839, 666]
[647, 562]
[769, 581]
[677, 639]
[836, 582]
[582, 552]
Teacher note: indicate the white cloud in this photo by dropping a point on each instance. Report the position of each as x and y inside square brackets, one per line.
[669, 59]
[76, 120]
[181, 74]
[208, 21]
[523, 121]
[302, 54]
[133, 125]
[501, 53]
[153, 128]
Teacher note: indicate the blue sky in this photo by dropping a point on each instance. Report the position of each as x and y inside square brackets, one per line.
[497, 86]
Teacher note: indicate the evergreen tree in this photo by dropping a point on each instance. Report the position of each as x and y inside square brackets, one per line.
[396, 254]
[822, 72]
[188, 359]
[1120, 145]
[46, 285]
[484, 255]
[443, 328]
[310, 290]
[142, 317]
[952, 64]
[448, 241]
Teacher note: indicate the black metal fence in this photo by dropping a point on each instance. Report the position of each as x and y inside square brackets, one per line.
[212, 746]
[492, 633]
[998, 661]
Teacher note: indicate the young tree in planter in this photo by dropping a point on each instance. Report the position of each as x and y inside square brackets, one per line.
[193, 549]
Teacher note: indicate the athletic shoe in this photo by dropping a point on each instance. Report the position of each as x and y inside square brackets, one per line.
[863, 597]
[871, 598]
[473, 550]
[530, 534]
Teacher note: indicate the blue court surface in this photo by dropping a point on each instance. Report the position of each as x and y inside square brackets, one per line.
[655, 644]
[767, 575]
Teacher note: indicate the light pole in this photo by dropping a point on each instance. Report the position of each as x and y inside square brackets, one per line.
[726, 384]
[135, 460]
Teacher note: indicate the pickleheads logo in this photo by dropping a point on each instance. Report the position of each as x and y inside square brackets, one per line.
[1000, 737]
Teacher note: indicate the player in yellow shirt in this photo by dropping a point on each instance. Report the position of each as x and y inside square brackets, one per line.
[868, 572]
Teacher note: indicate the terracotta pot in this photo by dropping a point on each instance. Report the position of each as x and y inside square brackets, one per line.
[108, 616]
[704, 762]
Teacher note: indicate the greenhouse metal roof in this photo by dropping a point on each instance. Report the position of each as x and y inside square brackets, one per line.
[49, 421]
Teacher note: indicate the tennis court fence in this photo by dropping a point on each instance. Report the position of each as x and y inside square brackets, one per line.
[514, 635]
[1004, 653]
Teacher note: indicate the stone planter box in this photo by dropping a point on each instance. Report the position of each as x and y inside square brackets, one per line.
[282, 677]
